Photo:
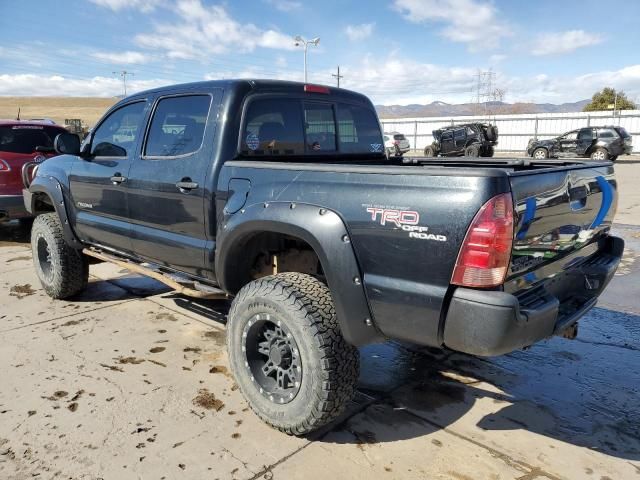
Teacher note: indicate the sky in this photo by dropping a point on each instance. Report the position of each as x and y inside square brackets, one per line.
[394, 51]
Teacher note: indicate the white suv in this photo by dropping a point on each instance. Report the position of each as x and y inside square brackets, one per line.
[396, 144]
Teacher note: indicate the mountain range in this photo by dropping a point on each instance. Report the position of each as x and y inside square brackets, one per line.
[442, 109]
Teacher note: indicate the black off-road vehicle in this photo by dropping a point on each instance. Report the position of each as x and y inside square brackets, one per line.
[279, 195]
[469, 140]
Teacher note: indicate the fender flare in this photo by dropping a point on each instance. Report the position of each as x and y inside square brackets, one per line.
[53, 189]
[327, 234]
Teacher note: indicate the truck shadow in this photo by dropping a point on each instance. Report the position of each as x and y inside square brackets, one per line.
[583, 393]
[15, 233]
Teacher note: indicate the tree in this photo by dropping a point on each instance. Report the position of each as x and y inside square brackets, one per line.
[606, 99]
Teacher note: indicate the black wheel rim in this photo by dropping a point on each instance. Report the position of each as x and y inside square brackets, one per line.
[272, 358]
[43, 253]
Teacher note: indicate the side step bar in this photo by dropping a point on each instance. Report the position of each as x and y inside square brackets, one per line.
[199, 290]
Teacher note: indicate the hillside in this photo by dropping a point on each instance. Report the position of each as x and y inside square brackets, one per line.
[442, 109]
[56, 108]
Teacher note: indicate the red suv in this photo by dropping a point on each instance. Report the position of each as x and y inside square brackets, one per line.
[21, 142]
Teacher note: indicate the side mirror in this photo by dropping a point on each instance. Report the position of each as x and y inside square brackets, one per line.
[67, 144]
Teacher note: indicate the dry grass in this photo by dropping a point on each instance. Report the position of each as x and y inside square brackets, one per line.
[88, 109]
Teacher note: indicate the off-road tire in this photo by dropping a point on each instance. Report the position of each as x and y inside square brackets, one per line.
[541, 153]
[66, 273]
[488, 151]
[330, 365]
[472, 151]
[599, 152]
[429, 151]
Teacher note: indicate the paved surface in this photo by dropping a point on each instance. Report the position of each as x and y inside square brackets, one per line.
[131, 381]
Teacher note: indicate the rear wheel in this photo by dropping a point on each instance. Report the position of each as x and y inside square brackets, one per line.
[62, 270]
[429, 151]
[599, 154]
[540, 153]
[287, 353]
[472, 151]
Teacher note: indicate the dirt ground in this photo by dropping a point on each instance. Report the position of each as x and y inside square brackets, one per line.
[88, 109]
[131, 381]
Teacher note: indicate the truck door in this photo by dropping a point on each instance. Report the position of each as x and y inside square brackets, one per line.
[98, 183]
[168, 181]
[567, 143]
[585, 140]
[446, 142]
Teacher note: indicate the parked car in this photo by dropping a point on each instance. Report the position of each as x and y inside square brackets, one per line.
[396, 144]
[280, 196]
[598, 143]
[469, 140]
[21, 142]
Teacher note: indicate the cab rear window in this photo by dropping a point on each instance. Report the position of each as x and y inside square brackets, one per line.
[26, 138]
[289, 127]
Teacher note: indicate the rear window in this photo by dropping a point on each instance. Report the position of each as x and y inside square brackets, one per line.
[398, 137]
[286, 127]
[623, 133]
[25, 138]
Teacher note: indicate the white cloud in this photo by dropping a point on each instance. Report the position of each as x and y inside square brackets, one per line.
[142, 5]
[285, 5]
[359, 32]
[564, 42]
[58, 85]
[200, 31]
[122, 58]
[473, 22]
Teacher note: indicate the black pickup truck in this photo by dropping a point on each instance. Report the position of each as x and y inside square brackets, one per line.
[280, 196]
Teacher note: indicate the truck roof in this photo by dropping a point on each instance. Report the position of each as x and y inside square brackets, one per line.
[255, 85]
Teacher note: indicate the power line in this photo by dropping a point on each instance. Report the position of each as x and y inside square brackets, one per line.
[123, 74]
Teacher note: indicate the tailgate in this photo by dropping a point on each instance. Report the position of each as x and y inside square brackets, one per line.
[559, 212]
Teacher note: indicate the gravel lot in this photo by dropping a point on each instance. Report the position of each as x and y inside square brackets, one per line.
[131, 381]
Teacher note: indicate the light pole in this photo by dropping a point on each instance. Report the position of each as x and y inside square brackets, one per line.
[305, 43]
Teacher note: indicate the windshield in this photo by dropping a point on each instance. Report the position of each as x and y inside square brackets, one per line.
[25, 138]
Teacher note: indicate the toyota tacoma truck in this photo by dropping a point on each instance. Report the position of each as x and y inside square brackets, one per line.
[279, 196]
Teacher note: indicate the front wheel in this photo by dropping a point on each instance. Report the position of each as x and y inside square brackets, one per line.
[540, 154]
[429, 151]
[287, 353]
[62, 270]
[472, 151]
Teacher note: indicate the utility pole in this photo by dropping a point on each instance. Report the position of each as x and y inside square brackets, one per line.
[337, 76]
[123, 74]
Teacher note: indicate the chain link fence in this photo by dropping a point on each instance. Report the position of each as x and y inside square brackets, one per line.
[516, 130]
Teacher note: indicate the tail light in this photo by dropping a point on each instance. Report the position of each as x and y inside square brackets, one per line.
[485, 253]
[316, 89]
[4, 166]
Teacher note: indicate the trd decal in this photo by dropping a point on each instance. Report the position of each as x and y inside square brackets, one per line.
[397, 217]
[407, 220]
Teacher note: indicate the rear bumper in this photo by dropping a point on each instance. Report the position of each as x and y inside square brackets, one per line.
[11, 207]
[487, 323]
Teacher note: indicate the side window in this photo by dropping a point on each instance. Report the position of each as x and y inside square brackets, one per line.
[446, 136]
[319, 127]
[358, 130]
[117, 135]
[607, 133]
[177, 126]
[459, 134]
[273, 127]
[586, 134]
[569, 136]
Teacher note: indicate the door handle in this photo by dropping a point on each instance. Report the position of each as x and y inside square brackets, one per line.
[118, 179]
[185, 185]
